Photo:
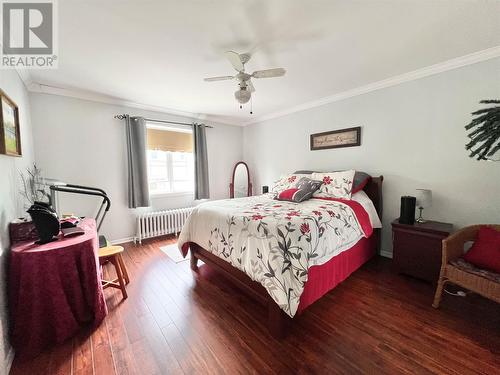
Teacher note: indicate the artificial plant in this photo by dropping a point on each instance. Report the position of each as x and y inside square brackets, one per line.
[485, 134]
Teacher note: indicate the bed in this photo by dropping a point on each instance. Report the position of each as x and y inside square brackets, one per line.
[287, 255]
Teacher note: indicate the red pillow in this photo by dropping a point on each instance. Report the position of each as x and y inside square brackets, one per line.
[485, 253]
[361, 185]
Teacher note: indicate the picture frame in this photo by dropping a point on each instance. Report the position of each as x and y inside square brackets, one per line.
[348, 137]
[10, 134]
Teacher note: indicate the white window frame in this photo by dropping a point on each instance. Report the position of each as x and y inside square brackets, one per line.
[152, 125]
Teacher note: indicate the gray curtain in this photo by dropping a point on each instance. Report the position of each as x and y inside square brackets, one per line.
[201, 190]
[138, 189]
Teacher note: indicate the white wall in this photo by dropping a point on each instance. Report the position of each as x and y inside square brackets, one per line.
[11, 204]
[412, 134]
[79, 142]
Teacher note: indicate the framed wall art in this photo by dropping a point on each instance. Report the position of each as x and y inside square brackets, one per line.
[10, 135]
[348, 137]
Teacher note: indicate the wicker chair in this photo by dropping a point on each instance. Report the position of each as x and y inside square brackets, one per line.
[455, 270]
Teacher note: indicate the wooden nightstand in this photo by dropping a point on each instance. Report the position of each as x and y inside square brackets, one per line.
[417, 248]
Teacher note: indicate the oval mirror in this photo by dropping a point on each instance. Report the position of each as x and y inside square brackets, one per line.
[240, 185]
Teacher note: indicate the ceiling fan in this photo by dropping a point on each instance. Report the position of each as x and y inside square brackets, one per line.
[238, 61]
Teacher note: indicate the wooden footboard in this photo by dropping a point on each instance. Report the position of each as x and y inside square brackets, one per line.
[278, 322]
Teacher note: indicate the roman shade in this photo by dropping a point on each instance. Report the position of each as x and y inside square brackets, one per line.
[168, 140]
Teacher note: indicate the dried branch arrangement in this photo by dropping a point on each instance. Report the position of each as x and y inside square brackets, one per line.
[33, 186]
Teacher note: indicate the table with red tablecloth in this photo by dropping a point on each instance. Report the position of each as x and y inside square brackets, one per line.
[54, 290]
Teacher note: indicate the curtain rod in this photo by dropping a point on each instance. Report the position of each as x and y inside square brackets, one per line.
[122, 117]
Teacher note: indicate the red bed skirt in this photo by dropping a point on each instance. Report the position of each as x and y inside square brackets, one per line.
[323, 278]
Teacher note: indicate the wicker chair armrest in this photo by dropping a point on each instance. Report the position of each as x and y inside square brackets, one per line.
[453, 245]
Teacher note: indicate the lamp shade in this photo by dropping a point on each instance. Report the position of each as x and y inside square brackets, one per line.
[424, 198]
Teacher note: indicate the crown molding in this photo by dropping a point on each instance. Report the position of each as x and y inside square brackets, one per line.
[24, 74]
[445, 66]
[41, 88]
[455, 63]
[25, 77]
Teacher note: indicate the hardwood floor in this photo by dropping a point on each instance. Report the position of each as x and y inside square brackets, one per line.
[375, 322]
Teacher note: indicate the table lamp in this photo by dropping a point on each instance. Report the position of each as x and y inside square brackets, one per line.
[424, 200]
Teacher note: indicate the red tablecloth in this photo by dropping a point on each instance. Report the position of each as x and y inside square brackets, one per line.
[54, 290]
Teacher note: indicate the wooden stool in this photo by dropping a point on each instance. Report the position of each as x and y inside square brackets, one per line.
[113, 255]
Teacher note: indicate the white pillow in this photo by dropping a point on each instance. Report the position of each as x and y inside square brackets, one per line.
[287, 182]
[369, 207]
[335, 184]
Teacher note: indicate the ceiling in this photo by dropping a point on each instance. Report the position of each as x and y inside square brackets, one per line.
[157, 53]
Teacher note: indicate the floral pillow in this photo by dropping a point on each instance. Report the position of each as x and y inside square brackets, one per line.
[335, 184]
[287, 182]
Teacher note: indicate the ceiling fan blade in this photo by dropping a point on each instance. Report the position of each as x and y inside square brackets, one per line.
[222, 78]
[269, 73]
[250, 86]
[235, 60]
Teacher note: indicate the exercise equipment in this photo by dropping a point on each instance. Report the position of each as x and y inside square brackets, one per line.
[84, 190]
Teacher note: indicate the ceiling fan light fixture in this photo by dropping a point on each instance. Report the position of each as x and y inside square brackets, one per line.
[242, 96]
[238, 61]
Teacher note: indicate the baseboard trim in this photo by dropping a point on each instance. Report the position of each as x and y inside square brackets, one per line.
[9, 360]
[122, 240]
[386, 254]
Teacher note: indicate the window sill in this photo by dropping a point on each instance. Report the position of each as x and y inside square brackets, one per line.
[171, 195]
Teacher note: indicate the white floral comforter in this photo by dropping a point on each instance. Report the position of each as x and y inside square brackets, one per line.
[276, 242]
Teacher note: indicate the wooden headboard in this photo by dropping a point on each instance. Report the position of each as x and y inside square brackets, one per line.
[374, 191]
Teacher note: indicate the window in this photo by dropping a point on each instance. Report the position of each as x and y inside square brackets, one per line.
[170, 160]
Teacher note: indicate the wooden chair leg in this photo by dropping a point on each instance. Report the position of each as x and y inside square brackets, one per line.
[439, 292]
[119, 274]
[124, 269]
